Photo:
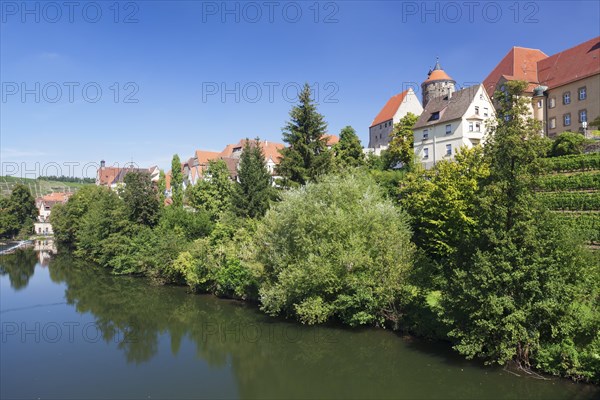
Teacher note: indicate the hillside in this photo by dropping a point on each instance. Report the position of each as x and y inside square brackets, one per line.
[38, 187]
[571, 189]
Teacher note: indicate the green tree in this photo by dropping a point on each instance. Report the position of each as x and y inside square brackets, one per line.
[213, 194]
[8, 221]
[519, 288]
[141, 199]
[334, 249]
[306, 156]
[162, 187]
[348, 151]
[400, 150]
[17, 212]
[250, 197]
[176, 182]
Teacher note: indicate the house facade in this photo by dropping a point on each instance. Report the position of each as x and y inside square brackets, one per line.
[391, 113]
[451, 122]
[564, 88]
[44, 205]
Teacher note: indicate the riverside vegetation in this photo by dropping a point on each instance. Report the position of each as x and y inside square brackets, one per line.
[467, 252]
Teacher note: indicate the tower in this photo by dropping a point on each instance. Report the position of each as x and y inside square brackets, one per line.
[437, 84]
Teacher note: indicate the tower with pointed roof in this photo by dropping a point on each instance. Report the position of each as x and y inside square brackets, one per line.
[437, 84]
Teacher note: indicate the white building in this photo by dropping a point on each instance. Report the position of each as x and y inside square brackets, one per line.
[383, 124]
[450, 122]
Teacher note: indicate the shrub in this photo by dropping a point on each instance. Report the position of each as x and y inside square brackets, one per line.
[567, 143]
[334, 249]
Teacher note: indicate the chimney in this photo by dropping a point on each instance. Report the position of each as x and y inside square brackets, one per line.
[102, 164]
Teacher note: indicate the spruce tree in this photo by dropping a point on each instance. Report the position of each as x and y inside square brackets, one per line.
[252, 193]
[306, 156]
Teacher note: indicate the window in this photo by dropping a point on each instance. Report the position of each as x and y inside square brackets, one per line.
[435, 116]
[486, 111]
[380, 126]
[551, 102]
[539, 103]
[582, 93]
[425, 152]
[567, 119]
[425, 133]
[582, 115]
[480, 96]
[448, 149]
[448, 129]
[476, 110]
[470, 127]
[567, 98]
[552, 123]
[477, 127]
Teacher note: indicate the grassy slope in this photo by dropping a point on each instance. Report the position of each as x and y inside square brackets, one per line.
[38, 187]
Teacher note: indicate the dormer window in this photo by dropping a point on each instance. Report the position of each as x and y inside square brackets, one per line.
[435, 116]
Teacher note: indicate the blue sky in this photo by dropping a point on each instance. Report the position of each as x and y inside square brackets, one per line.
[175, 58]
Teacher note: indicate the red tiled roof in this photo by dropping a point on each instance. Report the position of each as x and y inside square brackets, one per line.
[390, 108]
[438, 75]
[205, 156]
[519, 63]
[106, 175]
[571, 65]
[57, 197]
[332, 139]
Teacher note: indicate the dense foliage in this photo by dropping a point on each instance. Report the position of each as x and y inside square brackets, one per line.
[348, 152]
[17, 212]
[400, 151]
[213, 194]
[335, 249]
[568, 143]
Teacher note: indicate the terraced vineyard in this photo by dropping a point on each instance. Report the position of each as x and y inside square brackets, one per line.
[571, 188]
[38, 187]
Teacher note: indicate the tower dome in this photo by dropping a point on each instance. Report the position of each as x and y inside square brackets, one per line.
[437, 84]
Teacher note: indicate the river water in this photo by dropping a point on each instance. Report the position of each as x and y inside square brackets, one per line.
[74, 331]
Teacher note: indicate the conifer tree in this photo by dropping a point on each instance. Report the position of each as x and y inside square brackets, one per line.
[306, 156]
[349, 151]
[252, 193]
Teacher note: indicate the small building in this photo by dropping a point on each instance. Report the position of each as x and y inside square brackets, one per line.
[391, 113]
[45, 204]
[450, 122]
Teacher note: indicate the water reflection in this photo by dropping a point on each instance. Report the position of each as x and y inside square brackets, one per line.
[19, 266]
[271, 358]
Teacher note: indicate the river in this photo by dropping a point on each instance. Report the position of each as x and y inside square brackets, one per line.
[74, 331]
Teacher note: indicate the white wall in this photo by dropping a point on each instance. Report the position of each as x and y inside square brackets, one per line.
[459, 135]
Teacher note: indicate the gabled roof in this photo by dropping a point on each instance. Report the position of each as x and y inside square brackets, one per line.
[204, 156]
[520, 63]
[449, 107]
[389, 110]
[570, 65]
[107, 175]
